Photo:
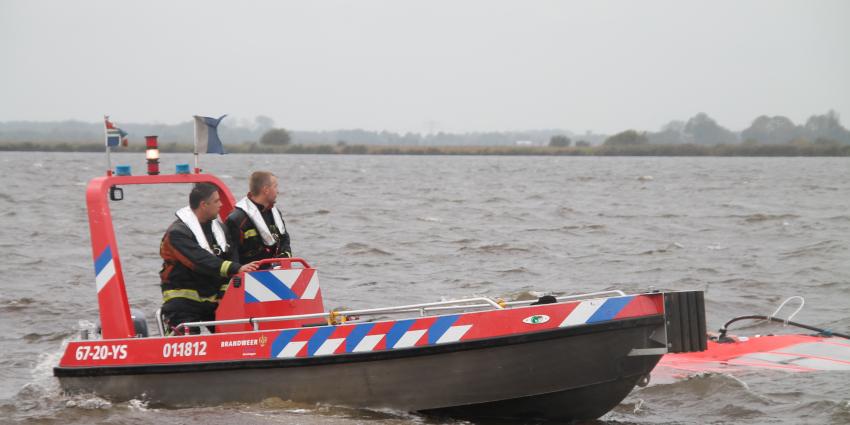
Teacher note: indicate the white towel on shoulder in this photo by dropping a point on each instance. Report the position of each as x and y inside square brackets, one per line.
[186, 215]
[256, 217]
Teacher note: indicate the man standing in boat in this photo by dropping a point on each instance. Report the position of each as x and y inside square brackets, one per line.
[256, 225]
[198, 260]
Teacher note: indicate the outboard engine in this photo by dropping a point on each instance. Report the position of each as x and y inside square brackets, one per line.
[140, 323]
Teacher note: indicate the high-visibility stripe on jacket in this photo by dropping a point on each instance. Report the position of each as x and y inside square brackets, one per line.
[189, 271]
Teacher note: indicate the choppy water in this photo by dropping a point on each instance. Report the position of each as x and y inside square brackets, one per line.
[384, 230]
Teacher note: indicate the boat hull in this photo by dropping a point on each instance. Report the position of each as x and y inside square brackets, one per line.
[564, 374]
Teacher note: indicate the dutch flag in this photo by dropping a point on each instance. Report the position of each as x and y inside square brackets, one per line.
[114, 135]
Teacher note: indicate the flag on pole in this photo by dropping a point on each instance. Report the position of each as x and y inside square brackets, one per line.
[206, 135]
[114, 135]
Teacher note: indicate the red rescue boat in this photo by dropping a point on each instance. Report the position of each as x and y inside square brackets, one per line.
[572, 357]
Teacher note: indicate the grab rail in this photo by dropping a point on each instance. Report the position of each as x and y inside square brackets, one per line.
[421, 308]
[284, 262]
[521, 302]
[572, 297]
[255, 321]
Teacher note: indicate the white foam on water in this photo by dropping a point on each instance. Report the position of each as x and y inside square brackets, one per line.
[42, 372]
[140, 405]
[88, 402]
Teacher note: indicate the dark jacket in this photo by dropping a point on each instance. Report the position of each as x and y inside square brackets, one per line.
[191, 272]
[249, 244]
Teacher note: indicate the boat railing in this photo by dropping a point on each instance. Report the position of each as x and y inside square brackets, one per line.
[333, 315]
[519, 302]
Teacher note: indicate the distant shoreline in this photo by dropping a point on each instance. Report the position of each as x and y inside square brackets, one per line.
[786, 150]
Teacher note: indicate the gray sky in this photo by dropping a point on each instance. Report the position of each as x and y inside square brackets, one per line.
[412, 66]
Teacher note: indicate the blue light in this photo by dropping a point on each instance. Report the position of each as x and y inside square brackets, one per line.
[182, 168]
[122, 170]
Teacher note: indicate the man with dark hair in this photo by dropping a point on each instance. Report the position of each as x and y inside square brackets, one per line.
[256, 225]
[198, 261]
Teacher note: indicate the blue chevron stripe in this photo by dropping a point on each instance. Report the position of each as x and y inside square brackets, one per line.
[319, 338]
[397, 331]
[608, 310]
[357, 335]
[102, 260]
[250, 298]
[281, 340]
[440, 327]
[274, 284]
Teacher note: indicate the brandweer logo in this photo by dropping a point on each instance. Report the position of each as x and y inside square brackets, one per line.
[241, 343]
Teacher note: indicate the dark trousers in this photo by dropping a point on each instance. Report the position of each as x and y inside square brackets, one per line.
[181, 310]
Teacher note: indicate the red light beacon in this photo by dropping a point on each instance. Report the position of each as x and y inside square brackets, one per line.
[152, 154]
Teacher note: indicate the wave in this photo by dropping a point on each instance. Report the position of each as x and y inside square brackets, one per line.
[589, 227]
[744, 283]
[436, 200]
[839, 218]
[759, 217]
[810, 271]
[705, 387]
[495, 249]
[495, 199]
[88, 402]
[815, 249]
[833, 284]
[48, 337]
[565, 211]
[546, 229]
[652, 270]
[41, 397]
[816, 187]
[836, 412]
[517, 270]
[356, 248]
[475, 285]
[524, 295]
[429, 219]
[17, 304]
[713, 398]
[669, 248]
[320, 413]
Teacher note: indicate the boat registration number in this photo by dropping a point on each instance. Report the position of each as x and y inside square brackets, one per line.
[185, 349]
[101, 352]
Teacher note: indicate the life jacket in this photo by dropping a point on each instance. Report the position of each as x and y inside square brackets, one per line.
[188, 270]
[248, 239]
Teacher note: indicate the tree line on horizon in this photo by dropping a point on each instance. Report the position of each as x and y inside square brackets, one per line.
[703, 130]
[698, 130]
